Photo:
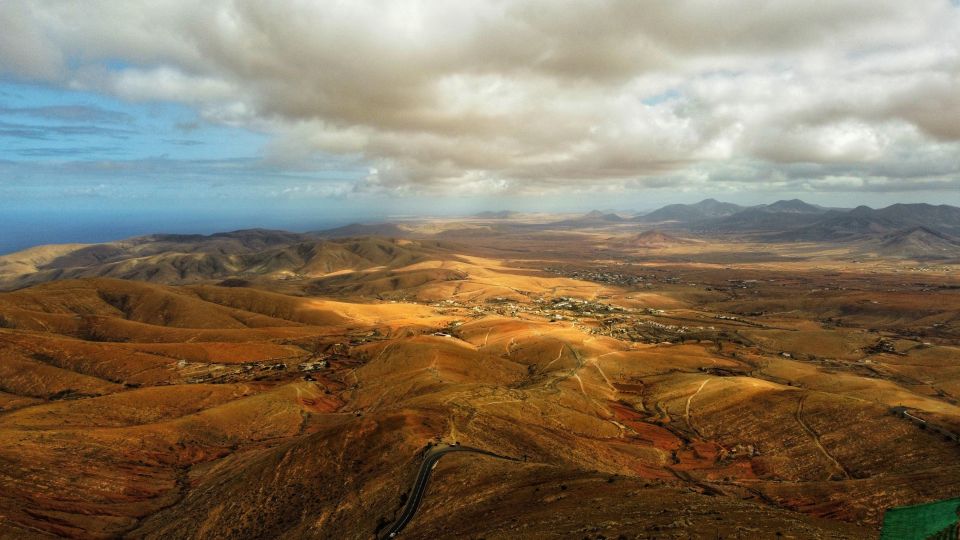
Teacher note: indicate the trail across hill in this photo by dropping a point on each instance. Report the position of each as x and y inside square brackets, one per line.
[816, 439]
[431, 458]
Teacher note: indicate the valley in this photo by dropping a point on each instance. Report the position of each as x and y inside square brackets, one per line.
[645, 381]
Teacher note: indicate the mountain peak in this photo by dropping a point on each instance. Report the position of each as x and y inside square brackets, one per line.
[705, 209]
[795, 206]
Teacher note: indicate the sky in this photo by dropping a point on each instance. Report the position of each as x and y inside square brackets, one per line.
[123, 118]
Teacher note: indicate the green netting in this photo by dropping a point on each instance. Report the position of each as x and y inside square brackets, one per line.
[932, 521]
[950, 533]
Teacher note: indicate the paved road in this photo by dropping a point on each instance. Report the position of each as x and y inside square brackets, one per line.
[420, 484]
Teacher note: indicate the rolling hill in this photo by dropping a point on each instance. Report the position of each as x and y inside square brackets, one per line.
[920, 243]
[653, 239]
[196, 258]
[594, 218]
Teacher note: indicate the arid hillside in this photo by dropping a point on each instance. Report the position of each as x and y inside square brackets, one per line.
[192, 258]
[288, 387]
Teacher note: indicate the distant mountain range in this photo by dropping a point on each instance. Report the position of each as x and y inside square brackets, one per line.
[687, 213]
[167, 258]
[590, 219]
[797, 220]
[915, 230]
[864, 222]
[901, 230]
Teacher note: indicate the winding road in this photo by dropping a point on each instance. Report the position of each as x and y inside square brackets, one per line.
[431, 458]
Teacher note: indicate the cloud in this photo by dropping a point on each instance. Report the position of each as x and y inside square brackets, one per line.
[25, 52]
[45, 132]
[531, 95]
[184, 142]
[70, 113]
[182, 179]
[67, 152]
